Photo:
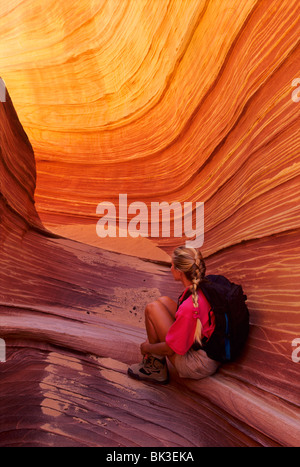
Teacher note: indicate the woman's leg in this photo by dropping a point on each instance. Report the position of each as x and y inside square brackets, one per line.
[170, 304]
[158, 320]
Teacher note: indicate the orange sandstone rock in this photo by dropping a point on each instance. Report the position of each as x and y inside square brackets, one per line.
[164, 101]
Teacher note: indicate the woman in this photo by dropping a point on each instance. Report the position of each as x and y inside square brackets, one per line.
[175, 330]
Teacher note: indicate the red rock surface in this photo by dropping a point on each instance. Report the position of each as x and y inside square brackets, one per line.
[163, 103]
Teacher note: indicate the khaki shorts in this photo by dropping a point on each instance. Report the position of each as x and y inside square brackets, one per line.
[195, 364]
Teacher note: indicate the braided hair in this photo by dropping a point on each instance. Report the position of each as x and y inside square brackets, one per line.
[190, 261]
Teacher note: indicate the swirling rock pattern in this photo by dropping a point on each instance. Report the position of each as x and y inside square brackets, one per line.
[173, 101]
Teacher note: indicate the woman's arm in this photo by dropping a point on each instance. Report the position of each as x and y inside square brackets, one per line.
[160, 348]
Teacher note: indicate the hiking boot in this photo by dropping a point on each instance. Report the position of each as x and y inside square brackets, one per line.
[151, 369]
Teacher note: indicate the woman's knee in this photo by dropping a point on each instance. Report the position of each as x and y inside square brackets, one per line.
[152, 307]
[164, 299]
[170, 304]
[156, 310]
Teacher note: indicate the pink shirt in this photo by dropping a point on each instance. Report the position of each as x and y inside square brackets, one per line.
[180, 336]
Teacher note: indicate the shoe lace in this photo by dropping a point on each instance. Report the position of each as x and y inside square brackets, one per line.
[150, 361]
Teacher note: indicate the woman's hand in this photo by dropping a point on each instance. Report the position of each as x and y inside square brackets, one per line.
[145, 347]
[160, 348]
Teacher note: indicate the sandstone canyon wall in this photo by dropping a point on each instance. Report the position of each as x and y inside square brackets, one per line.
[164, 101]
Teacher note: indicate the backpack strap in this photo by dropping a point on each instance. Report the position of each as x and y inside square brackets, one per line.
[185, 294]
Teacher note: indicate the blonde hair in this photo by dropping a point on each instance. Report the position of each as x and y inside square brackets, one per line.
[190, 261]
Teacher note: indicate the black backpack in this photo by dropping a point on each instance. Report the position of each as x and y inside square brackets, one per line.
[227, 301]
